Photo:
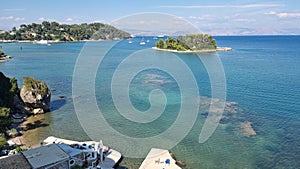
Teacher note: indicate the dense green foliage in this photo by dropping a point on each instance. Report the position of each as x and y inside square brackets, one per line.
[3, 142]
[188, 42]
[1, 52]
[20, 149]
[31, 83]
[8, 89]
[5, 120]
[63, 32]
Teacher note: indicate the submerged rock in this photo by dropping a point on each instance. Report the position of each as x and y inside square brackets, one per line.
[246, 129]
[36, 95]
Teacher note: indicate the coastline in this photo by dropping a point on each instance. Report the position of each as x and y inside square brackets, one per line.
[30, 130]
[54, 41]
[195, 51]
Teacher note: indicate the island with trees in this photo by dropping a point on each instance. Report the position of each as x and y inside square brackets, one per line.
[53, 31]
[4, 57]
[191, 43]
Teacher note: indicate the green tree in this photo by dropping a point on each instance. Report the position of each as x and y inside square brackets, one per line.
[3, 142]
[171, 43]
[160, 44]
[5, 120]
[1, 52]
[8, 89]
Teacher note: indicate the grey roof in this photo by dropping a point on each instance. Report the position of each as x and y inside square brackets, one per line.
[69, 150]
[14, 162]
[45, 155]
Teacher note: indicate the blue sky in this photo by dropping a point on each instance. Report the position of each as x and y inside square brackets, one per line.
[216, 17]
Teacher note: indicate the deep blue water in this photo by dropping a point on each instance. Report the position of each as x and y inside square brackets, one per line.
[262, 75]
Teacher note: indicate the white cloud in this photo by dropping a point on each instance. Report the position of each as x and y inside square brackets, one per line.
[19, 19]
[223, 6]
[14, 9]
[98, 21]
[69, 20]
[42, 19]
[288, 15]
[284, 14]
[6, 18]
[244, 20]
[270, 13]
[203, 17]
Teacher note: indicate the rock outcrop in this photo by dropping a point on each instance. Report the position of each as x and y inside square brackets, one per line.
[36, 95]
[246, 129]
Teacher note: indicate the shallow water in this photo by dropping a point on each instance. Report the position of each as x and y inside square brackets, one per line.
[262, 75]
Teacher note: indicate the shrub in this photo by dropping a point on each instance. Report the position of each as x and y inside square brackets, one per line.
[3, 142]
[31, 83]
[1, 52]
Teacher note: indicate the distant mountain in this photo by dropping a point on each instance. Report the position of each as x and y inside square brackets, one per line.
[63, 32]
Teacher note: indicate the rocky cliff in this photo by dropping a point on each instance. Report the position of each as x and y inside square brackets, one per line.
[36, 95]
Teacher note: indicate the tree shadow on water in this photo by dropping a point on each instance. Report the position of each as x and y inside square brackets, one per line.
[34, 125]
[57, 104]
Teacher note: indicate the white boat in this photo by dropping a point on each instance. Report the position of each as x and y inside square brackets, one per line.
[142, 43]
[148, 41]
[43, 42]
[160, 36]
[130, 41]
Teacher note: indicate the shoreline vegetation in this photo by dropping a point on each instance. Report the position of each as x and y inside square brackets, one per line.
[55, 32]
[191, 43]
[195, 51]
[16, 106]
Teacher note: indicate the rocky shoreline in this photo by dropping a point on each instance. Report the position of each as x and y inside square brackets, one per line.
[195, 51]
[33, 98]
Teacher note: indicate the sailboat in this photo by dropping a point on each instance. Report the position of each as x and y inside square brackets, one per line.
[142, 42]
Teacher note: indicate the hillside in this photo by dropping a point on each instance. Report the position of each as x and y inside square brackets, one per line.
[8, 89]
[63, 32]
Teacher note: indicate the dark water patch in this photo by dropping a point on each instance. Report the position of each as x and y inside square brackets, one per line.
[57, 104]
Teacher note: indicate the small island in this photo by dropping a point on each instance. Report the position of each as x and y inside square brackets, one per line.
[4, 57]
[191, 43]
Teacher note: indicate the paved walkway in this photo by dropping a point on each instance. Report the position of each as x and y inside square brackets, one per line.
[159, 159]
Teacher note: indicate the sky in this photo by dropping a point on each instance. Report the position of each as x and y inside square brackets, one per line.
[216, 17]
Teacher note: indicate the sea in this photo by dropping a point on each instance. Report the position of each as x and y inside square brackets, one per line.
[262, 87]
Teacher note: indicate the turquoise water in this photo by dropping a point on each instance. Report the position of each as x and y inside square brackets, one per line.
[262, 74]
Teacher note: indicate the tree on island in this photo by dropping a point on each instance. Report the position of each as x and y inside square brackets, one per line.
[188, 42]
[160, 44]
[1, 52]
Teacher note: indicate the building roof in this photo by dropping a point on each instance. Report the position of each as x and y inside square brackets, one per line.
[45, 155]
[69, 150]
[14, 161]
